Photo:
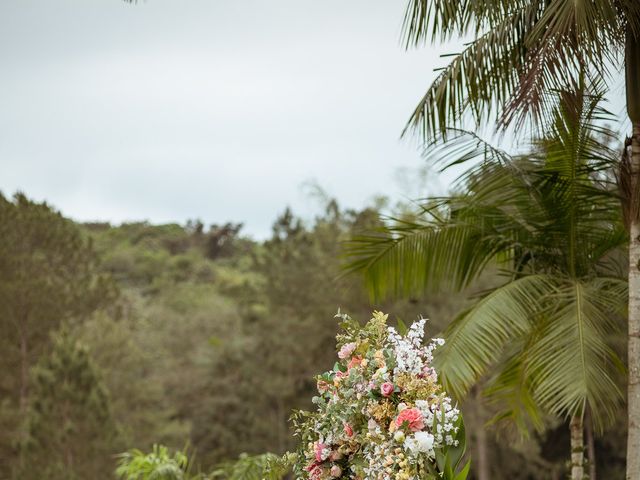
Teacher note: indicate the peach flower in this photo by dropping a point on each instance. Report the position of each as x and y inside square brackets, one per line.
[354, 362]
[412, 417]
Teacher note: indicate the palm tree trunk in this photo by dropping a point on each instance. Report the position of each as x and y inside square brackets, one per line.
[577, 447]
[632, 70]
[591, 447]
[633, 439]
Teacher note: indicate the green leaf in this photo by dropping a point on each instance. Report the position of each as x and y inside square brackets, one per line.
[402, 327]
[462, 475]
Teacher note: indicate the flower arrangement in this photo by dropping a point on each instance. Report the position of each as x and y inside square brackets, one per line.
[381, 413]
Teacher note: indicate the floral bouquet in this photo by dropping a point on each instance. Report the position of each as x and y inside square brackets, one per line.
[381, 413]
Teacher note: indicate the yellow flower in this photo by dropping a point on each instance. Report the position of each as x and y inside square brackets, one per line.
[381, 412]
[380, 317]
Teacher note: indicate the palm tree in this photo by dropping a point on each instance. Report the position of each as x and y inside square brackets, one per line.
[522, 49]
[549, 220]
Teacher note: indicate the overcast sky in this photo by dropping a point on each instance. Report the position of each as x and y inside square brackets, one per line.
[167, 110]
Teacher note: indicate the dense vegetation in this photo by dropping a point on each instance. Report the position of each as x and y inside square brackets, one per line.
[185, 335]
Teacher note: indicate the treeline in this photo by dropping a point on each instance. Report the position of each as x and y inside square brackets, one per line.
[116, 337]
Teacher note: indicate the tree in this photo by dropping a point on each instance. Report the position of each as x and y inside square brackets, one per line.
[220, 239]
[550, 221]
[71, 433]
[522, 51]
[47, 275]
[262, 367]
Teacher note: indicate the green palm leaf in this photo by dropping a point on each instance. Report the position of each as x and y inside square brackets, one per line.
[573, 365]
[522, 52]
[476, 339]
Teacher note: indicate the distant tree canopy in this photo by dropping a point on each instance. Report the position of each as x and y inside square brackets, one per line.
[48, 274]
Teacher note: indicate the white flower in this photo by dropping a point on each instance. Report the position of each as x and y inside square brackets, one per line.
[411, 445]
[425, 441]
[420, 442]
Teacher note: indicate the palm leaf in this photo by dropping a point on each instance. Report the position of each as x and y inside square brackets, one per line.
[521, 52]
[484, 75]
[476, 339]
[573, 365]
[411, 257]
[510, 391]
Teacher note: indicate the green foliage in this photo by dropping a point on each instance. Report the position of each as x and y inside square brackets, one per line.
[156, 465]
[131, 360]
[542, 340]
[520, 52]
[214, 352]
[450, 458]
[266, 466]
[49, 274]
[69, 405]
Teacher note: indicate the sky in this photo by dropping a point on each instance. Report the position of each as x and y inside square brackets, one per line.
[222, 110]
[167, 110]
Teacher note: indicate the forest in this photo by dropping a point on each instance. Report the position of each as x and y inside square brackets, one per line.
[199, 338]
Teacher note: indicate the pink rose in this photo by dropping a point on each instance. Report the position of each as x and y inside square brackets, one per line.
[348, 430]
[335, 471]
[346, 350]
[316, 473]
[386, 389]
[412, 417]
[321, 451]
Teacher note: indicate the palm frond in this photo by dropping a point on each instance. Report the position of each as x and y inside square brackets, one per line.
[548, 66]
[438, 20]
[573, 365]
[510, 389]
[457, 146]
[476, 339]
[408, 258]
[522, 51]
[480, 78]
[593, 27]
[156, 465]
